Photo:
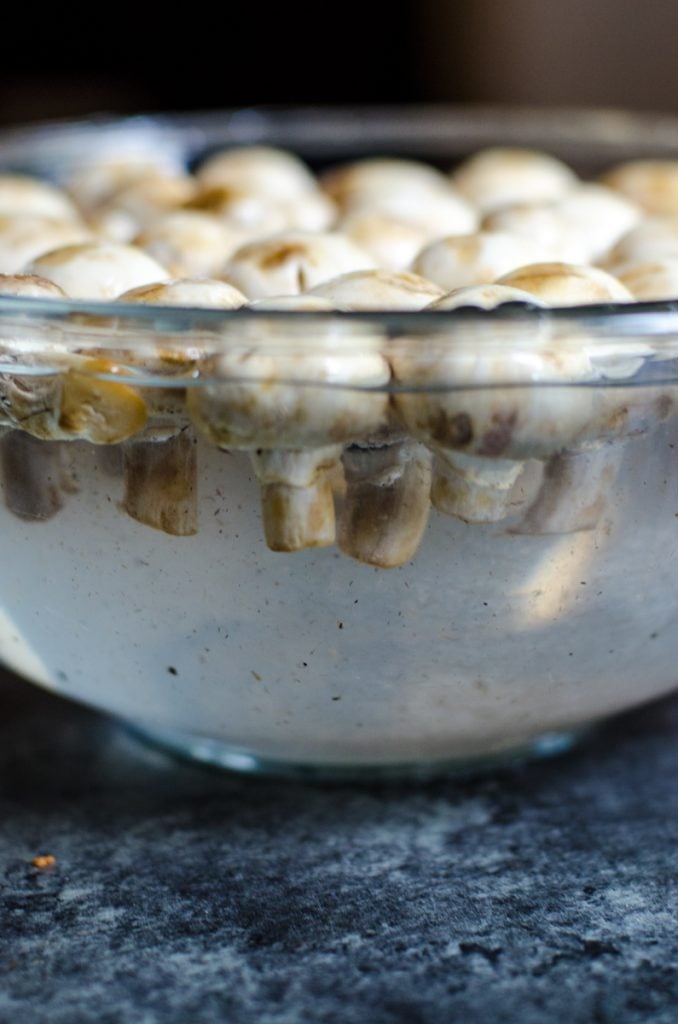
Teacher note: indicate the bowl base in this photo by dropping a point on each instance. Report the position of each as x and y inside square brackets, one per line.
[217, 754]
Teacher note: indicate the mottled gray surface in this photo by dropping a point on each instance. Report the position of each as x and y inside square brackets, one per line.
[544, 894]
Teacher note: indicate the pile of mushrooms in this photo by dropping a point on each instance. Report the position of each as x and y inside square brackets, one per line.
[353, 434]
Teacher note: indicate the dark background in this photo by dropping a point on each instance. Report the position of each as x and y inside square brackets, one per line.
[127, 58]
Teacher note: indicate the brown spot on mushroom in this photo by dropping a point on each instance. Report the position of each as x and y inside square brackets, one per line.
[453, 431]
[276, 255]
[497, 439]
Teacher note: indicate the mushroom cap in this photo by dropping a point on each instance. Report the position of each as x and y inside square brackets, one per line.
[378, 289]
[22, 194]
[362, 180]
[98, 270]
[651, 279]
[273, 172]
[543, 224]
[196, 293]
[131, 208]
[104, 173]
[567, 284]
[486, 296]
[502, 176]
[259, 392]
[31, 286]
[258, 213]
[652, 184]
[462, 260]
[189, 243]
[652, 239]
[599, 215]
[292, 262]
[437, 211]
[24, 237]
[392, 243]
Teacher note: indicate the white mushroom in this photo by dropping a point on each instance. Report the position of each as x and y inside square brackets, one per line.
[98, 270]
[473, 488]
[460, 261]
[135, 206]
[438, 213]
[652, 239]
[651, 279]
[503, 176]
[70, 401]
[160, 471]
[392, 243]
[24, 237]
[268, 171]
[30, 286]
[599, 217]
[293, 394]
[652, 184]
[293, 262]
[403, 190]
[104, 172]
[20, 194]
[189, 243]
[257, 214]
[354, 183]
[200, 293]
[477, 386]
[386, 503]
[365, 290]
[567, 284]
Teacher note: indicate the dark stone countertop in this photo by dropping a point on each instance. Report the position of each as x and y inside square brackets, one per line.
[546, 893]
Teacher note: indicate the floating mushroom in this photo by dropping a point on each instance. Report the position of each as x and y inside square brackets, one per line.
[160, 472]
[460, 261]
[98, 270]
[290, 394]
[393, 243]
[541, 402]
[130, 209]
[24, 237]
[293, 262]
[476, 489]
[264, 169]
[189, 243]
[652, 184]
[502, 176]
[365, 290]
[255, 213]
[21, 194]
[654, 238]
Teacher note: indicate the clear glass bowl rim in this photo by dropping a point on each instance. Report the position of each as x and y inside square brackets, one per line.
[338, 134]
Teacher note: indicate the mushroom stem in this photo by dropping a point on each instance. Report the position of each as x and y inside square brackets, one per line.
[472, 488]
[33, 472]
[161, 484]
[296, 497]
[387, 502]
[575, 489]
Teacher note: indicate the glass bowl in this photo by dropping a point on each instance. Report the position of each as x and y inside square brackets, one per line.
[173, 481]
